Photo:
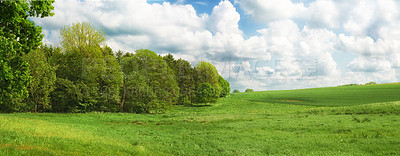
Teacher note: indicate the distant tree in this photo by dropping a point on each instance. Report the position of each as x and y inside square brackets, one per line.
[43, 78]
[370, 83]
[18, 36]
[225, 87]
[236, 91]
[249, 90]
[206, 93]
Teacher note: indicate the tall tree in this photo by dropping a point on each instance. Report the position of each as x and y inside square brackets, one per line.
[159, 77]
[18, 36]
[43, 78]
[81, 36]
[136, 95]
[184, 75]
[225, 87]
[89, 67]
[206, 73]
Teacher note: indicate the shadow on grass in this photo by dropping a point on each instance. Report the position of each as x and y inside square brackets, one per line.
[198, 105]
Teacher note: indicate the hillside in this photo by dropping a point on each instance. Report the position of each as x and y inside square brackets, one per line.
[354, 120]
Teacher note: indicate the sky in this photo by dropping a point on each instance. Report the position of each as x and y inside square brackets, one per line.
[258, 44]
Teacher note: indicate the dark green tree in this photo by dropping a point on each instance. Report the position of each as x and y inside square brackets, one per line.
[160, 78]
[225, 87]
[18, 36]
[136, 95]
[236, 91]
[206, 73]
[91, 68]
[184, 75]
[43, 79]
[249, 90]
[206, 93]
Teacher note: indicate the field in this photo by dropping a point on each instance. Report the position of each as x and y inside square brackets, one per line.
[351, 120]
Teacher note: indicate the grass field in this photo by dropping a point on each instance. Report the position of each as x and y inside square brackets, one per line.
[353, 120]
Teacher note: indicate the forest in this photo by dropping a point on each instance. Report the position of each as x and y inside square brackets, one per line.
[86, 75]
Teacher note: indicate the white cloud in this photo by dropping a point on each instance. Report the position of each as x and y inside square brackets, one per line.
[270, 10]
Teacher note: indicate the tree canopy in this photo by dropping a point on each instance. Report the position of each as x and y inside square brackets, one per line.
[18, 36]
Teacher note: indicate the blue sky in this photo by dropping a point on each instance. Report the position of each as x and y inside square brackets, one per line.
[259, 44]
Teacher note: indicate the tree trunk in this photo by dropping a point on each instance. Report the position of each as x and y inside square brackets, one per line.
[123, 97]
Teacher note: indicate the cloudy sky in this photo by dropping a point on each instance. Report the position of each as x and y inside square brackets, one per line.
[259, 44]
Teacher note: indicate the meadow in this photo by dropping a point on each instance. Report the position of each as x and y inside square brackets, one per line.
[347, 120]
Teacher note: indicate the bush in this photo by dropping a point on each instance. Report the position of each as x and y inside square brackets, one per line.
[236, 91]
[249, 90]
[370, 83]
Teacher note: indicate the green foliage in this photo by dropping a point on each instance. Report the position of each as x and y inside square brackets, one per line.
[15, 23]
[236, 91]
[81, 36]
[92, 70]
[18, 36]
[225, 87]
[149, 85]
[371, 83]
[206, 73]
[43, 79]
[249, 90]
[184, 75]
[206, 93]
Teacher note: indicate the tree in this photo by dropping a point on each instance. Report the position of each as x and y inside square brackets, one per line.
[206, 93]
[81, 36]
[43, 78]
[184, 75]
[249, 90]
[225, 87]
[137, 96]
[236, 91]
[18, 36]
[205, 72]
[91, 68]
[160, 78]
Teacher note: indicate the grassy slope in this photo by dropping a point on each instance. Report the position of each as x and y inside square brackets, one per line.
[363, 121]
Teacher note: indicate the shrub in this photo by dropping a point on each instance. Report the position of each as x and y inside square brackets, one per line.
[236, 91]
[249, 90]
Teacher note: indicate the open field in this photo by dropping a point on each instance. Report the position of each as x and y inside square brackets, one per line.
[353, 120]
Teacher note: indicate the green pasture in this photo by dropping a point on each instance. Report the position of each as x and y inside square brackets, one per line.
[352, 120]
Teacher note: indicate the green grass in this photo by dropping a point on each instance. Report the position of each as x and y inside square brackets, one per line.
[356, 120]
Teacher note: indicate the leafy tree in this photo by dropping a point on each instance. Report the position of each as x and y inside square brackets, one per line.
[185, 78]
[225, 87]
[249, 90]
[137, 96]
[159, 77]
[18, 36]
[184, 75]
[206, 93]
[43, 79]
[236, 91]
[81, 36]
[206, 73]
[91, 68]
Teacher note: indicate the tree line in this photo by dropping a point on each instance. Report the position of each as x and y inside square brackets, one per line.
[84, 75]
